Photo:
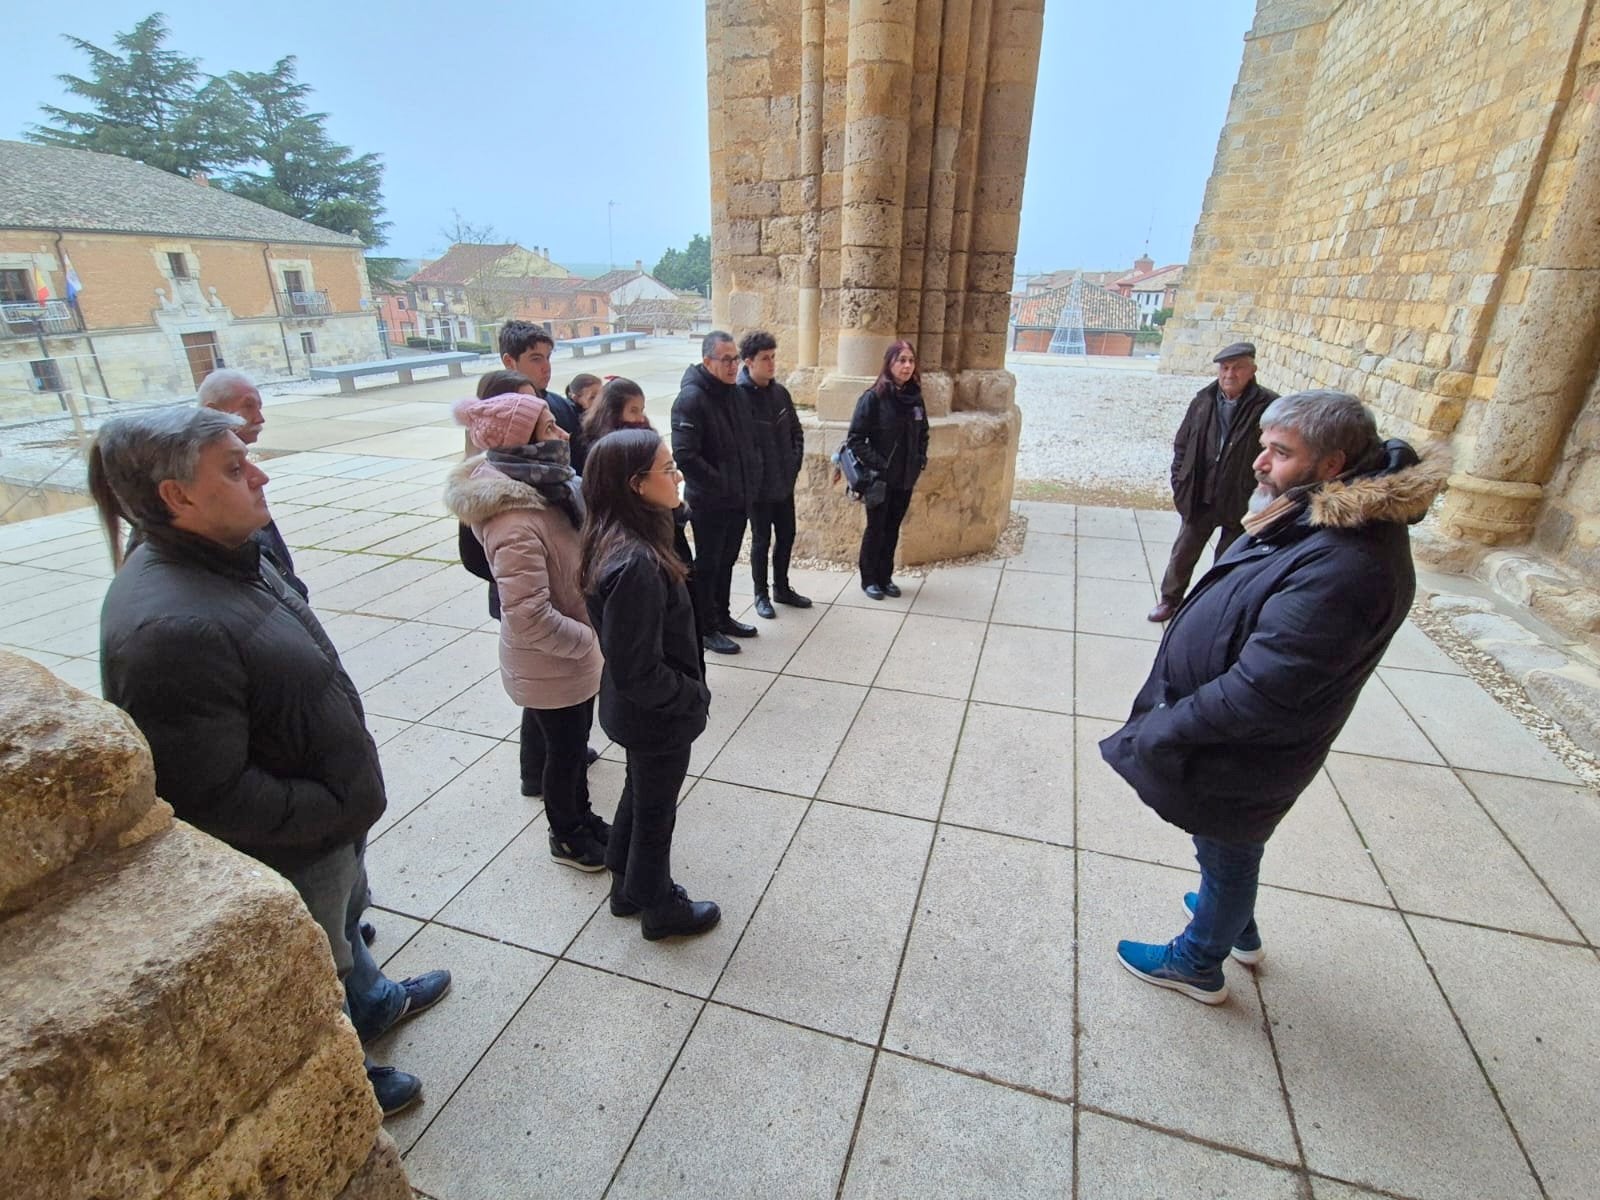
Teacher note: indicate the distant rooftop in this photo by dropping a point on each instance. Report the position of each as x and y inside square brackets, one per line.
[47, 187]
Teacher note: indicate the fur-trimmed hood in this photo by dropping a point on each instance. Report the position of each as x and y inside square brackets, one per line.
[1402, 488]
[475, 491]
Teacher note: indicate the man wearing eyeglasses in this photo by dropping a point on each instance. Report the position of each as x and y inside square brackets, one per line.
[714, 445]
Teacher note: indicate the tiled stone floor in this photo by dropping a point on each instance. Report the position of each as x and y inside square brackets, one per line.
[923, 867]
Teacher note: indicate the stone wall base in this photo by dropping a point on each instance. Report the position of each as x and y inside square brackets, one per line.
[381, 1177]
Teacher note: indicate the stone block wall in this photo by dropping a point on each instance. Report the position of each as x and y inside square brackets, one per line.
[170, 1020]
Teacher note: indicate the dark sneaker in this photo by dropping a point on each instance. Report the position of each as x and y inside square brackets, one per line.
[891, 588]
[764, 608]
[787, 595]
[369, 932]
[396, 1091]
[590, 756]
[1246, 950]
[422, 993]
[873, 591]
[1153, 964]
[719, 643]
[599, 827]
[621, 906]
[580, 849]
[678, 917]
[736, 628]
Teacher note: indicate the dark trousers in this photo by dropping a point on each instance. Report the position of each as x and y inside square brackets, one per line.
[882, 536]
[771, 523]
[532, 748]
[717, 538]
[1187, 547]
[640, 849]
[565, 733]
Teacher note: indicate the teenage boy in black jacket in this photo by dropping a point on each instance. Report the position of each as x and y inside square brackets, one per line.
[714, 445]
[781, 445]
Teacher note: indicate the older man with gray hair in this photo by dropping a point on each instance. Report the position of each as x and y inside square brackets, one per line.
[1263, 662]
[231, 391]
[257, 733]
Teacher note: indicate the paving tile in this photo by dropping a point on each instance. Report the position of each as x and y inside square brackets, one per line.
[63, 620]
[1152, 1054]
[1557, 829]
[1119, 1161]
[81, 673]
[348, 630]
[420, 761]
[1379, 727]
[536, 1118]
[484, 709]
[489, 982]
[1111, 558]
[1413, 650]
[847, 645]
[1470, 729]
[788, 741]
[1107, 523]
[1110, 672]
[986, 984]
[822, 948]
[851, 595]
[1385, 1091]
[446, 550]
[413, 599]
[324, 570]
[43, 657]
[1316, 848]
[935, 656]
[1437, 849]
[421, 441]
[467, 609]
[821, 587]
[1013, 773]
[391, 645]
[371, 578]
[73, 643]
[1028, 668]
[397, 534]
[394, 931]
[726, 845]
[733, 695]
[433, 681]
[526, 897]
[1047, 553]
[69, 591]
[778, 640]
[1332, 1189]
[426, 858]
[1159, 525]
[896, 757]
[1026, 598]
[966, 593]
[384, 728]
[1538, 1043]
[1045, 517]
[930, 1132]
[785, 1100]
[1117, 608]
[1110, 816]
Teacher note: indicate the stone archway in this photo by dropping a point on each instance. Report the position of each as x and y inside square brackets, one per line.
[867, 162]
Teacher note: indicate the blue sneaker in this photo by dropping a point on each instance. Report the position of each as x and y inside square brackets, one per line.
[1153, 964]
[422, 992]
[1247, 950]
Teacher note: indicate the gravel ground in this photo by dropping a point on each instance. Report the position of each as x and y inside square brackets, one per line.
[1098, 435]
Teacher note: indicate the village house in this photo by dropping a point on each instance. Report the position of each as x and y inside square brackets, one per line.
[467, 293]
[1109, 320]
[121, 281]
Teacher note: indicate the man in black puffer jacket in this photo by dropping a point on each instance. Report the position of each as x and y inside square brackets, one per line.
[257, 733]
[1263, 663]
[782, 446]
[714, 446]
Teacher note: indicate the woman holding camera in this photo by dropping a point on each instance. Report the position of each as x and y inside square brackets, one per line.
[889, 435]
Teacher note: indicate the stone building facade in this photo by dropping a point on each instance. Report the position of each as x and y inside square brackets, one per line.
[172, 279]
[1405, 204]
[866, 180]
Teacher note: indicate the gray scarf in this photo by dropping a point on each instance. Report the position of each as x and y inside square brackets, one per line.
[543, 466]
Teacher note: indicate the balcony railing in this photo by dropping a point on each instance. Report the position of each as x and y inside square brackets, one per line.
[31, 317]
[304, 304]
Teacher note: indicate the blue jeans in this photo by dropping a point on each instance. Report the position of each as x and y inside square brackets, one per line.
[1226, 907]
[335, 891]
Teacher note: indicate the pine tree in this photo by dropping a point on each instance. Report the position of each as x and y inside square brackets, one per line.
[688, 270]
[147, 103]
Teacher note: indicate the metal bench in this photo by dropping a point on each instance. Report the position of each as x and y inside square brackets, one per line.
[606, 341]
[350, 372]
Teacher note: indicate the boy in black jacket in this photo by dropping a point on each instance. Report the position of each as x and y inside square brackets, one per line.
[781, 445]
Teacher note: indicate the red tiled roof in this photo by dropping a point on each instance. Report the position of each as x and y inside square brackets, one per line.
[1103, 309]
[612, 280]
[461, 262]
[1158, 280]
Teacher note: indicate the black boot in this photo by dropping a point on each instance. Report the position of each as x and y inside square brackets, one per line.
[764, 607]
[678, 916]
[621, 906]
[784, 594]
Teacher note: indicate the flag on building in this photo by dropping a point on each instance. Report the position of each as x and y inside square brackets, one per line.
[74, 284]
[43, 281]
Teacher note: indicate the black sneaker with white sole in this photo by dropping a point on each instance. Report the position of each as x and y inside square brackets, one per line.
[580, 849]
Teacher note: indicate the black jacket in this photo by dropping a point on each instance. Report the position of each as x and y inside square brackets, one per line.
[1209, 472]
[1259, 669]
[270, 542]
[652, 693]
[567, 414]
[713, 442]
[780, 441]
[890, 434]
[258, 735]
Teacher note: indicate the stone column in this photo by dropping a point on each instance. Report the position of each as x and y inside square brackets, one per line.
[1547, 370]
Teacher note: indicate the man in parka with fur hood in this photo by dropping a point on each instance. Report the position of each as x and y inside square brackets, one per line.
[1261, 666]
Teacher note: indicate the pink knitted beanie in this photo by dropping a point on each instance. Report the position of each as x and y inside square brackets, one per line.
[494, 422]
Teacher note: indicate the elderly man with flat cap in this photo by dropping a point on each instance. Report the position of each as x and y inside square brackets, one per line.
[1212, 477]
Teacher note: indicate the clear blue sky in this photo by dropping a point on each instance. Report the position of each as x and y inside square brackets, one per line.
[530, 117]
